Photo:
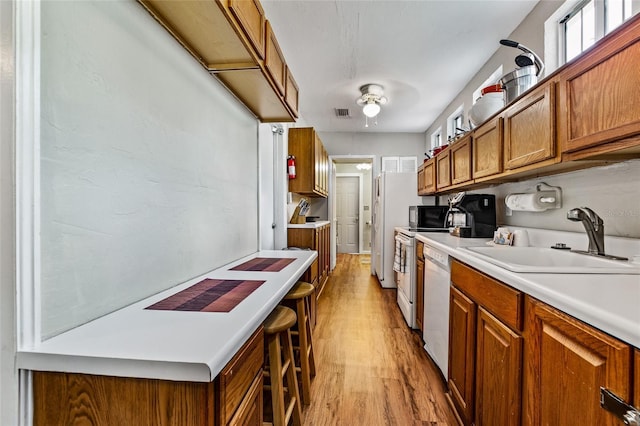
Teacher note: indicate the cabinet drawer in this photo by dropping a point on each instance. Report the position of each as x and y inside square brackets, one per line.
[236, 378]
[250, 410]
[502, 301]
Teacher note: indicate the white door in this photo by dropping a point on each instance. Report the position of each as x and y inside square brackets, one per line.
[347, 212]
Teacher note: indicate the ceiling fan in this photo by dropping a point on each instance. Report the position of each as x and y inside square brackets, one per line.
[371, 99]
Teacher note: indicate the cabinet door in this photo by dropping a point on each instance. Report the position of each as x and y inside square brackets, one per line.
[291, 93]
[419, 293]
[566, 363]
[443, 173]
[318, 163]
[430, 176]
[486, 154]
[420, 176]
[251, 20]
[462, 332]
[274, 61]
[461, 161]
[250, 411]
[529, 128]
[599, 92]
[498, 372]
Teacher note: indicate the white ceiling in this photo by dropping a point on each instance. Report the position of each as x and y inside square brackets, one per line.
[422, 52]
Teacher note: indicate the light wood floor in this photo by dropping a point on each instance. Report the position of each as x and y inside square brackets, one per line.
[371, 369]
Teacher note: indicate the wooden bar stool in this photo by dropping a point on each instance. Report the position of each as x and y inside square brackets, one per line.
[301, 294]
[279, 364]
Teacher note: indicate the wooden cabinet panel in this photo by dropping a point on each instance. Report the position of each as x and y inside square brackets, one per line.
[82, 399]
[236, 377]
[501, 300]
[443, 169]
[317, 239]
[419, 285]
[486, 150]
[250, 18]
[291, 93]
[462, 332]
[274, 61]
[529, 128]
[599, 92]
[498, 373]
[566, 363]
[461, 161]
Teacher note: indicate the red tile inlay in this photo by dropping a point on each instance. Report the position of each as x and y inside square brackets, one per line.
[209, 296]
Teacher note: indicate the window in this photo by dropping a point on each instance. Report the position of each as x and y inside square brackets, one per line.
[436, 138]
[454, 122]
[588, 22]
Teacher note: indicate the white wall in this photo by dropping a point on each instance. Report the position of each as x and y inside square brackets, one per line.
[8, 373]
[149, 166]
[530, 33]
[611, 191]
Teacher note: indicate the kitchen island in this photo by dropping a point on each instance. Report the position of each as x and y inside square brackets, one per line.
[159, 366]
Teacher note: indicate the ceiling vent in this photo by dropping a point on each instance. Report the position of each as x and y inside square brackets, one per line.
[342, 112]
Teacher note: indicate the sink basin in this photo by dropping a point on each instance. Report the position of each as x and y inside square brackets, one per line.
[547, 260]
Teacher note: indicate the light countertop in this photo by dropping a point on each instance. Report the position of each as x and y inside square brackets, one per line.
[309, 225]
[171, 345]
[610, 303]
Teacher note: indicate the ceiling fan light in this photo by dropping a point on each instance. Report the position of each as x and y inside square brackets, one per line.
[371, 109]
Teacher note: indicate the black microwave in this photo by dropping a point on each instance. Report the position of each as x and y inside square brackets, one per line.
[427, 216]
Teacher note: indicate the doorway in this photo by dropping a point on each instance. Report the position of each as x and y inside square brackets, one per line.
[362, 166]
[348, 202]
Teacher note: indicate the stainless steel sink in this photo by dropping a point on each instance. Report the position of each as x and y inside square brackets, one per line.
[547, 260]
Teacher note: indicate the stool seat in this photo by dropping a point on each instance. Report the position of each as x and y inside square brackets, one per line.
[279, 320]
[300, 291]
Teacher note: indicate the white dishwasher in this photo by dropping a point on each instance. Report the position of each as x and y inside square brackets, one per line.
[437, 277]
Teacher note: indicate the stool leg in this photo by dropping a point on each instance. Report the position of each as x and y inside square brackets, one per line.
[292, 381]
[312, 360]
[304, 337]
[277, 389]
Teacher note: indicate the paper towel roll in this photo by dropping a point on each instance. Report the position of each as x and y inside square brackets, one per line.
[525, 202]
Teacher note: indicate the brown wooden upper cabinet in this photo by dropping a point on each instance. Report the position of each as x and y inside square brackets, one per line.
[599, 95]
[427, 177]
[232, 40]
[312, 163]
[461, 160]
[486, 152]
[529, 128]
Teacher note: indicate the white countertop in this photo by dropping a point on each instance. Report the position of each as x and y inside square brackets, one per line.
[310, 225]
[171, 345]
[610, 303]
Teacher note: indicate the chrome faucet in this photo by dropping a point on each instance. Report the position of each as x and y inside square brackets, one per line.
[594, 226]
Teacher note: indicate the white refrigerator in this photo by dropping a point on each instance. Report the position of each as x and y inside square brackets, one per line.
[393, 194]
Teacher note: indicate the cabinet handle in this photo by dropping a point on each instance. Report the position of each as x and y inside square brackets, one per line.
[628, 414]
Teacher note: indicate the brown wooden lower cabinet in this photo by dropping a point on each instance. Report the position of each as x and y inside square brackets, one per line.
[318, 239]
[636, 379]
[234, 398]
[566, 363]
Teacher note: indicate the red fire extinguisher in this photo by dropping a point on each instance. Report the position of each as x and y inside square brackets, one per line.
[291, 166]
